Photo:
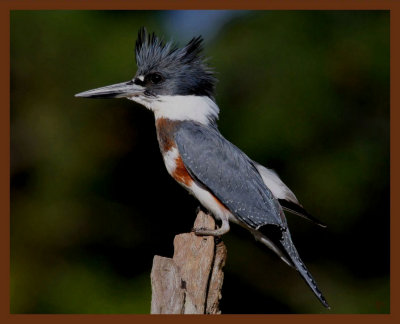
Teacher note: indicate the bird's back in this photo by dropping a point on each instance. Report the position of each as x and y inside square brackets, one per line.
[228, 173]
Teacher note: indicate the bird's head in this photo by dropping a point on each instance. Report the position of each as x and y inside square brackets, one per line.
[173, 82]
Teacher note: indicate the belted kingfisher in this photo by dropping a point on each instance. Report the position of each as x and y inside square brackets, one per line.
[178, 86]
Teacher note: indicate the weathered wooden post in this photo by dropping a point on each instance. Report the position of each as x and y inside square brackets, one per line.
[190, 282]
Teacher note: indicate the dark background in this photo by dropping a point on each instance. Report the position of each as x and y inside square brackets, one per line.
[305, 93]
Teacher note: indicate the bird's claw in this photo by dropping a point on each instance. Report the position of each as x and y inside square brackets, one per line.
[203, 231]
[200, 230]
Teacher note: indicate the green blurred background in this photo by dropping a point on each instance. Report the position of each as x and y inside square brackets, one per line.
[305, 93]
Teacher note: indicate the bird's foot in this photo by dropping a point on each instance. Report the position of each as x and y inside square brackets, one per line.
[209, 232]
[203, 231]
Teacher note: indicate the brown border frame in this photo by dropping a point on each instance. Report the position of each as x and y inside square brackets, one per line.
[7, 5]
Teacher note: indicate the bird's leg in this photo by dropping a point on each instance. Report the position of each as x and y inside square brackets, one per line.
[217, 232]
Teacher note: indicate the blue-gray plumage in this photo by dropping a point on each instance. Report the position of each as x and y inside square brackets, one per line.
[229, 174]
[183, 64]
[178, 86]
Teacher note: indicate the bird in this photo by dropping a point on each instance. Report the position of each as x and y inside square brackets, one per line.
[178, 86]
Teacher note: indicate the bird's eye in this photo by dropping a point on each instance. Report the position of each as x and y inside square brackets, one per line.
[156, 78]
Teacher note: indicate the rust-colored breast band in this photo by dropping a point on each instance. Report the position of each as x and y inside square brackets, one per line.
[181, 174]
[165, 133]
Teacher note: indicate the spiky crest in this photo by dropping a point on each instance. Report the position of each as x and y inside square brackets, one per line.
[186, 64]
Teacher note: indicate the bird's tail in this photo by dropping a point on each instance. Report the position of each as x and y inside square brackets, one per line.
[294, 257]
[281, 243]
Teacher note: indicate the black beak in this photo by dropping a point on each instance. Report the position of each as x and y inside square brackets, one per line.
[119, 90]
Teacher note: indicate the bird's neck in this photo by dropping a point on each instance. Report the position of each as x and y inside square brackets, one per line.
[201, 109]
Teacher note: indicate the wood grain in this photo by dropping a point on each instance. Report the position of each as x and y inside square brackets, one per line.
[190, 282]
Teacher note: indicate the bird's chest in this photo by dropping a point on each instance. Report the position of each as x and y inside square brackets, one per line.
[169, 150]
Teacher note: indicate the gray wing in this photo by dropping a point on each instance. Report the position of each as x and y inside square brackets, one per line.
[229, 174]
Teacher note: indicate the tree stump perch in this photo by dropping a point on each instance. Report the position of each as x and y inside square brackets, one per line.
[190, 282]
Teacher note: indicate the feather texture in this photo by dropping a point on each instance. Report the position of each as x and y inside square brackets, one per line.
[229, 174]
